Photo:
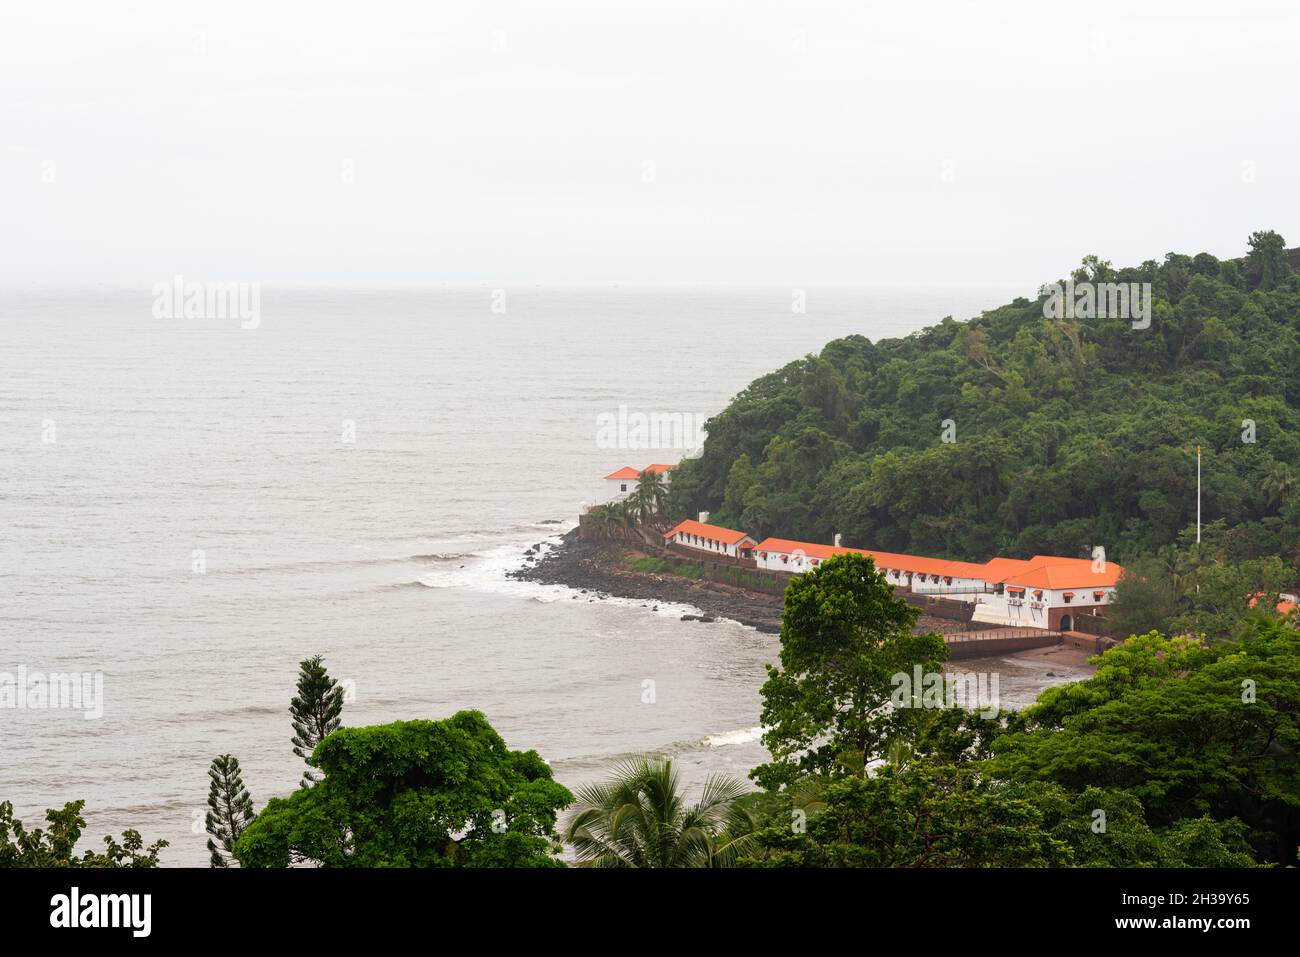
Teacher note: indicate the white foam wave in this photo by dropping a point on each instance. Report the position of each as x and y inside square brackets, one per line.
[729, 738]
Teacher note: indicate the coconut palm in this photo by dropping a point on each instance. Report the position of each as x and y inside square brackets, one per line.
[1279, 483]
[621, 517]
[600, 519]
[639, 818]
[650, 495]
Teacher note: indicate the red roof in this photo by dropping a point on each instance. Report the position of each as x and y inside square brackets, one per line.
[997, 569]
[1041, 571]
[627, 472]
[883, 560]
[728, 536]
[1049, 571]
[811, 549]
[1284, 605]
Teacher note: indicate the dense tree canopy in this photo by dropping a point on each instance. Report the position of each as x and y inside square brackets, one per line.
[414, 794]
[1069, 433]
[1189, 729]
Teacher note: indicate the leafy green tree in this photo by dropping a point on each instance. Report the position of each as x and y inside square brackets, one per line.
[739, 479]
[414, 794]
[1267, 260]
[1280, 483]
[315, 710]
[1190, 730]
[56, 847]
[926, 815]
[1224, 593]
[639, 818]
[230, 808]
[1147, 598]
[844, 635]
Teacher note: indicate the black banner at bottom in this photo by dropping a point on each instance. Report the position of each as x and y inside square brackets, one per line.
[179, 906]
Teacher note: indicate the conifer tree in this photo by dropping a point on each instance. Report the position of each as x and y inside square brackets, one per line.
[315, 711]
[230, 809]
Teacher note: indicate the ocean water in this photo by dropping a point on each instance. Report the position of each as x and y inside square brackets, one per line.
[180, 512]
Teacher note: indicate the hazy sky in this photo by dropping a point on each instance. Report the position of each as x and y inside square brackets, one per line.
[731, 141]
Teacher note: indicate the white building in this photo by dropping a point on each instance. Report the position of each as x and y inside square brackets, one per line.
[620, 484]
[1048, 592]
[713, 539]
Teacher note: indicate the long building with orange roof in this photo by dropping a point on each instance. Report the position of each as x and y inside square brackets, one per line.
[1045, 591]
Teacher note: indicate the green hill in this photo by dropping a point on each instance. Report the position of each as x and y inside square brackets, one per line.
[1066, 432]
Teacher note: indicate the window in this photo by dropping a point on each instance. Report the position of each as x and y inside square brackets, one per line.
[623, 487]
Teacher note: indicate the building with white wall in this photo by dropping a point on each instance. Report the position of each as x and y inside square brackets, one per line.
[1045, 591]
[1049, 592]
[710, 539]
[620, 484]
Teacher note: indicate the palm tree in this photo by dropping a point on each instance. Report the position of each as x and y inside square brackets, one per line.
[1279, 483]
[650, 495]
[622, 518]
[638, 818]
[600, 519]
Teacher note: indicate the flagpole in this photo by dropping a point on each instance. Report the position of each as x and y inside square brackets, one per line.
[1198, 493]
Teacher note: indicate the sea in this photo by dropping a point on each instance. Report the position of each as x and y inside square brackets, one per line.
[191, 506]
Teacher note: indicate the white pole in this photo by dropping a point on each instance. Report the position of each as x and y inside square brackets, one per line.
[1198, 494]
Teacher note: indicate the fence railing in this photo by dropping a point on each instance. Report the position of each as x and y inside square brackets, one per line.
[990, 633]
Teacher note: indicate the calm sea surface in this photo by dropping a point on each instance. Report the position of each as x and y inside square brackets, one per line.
[134, 448]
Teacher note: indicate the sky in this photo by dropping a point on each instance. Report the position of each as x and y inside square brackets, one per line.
[730, 142]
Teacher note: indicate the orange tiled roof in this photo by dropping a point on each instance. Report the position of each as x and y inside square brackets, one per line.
[659, 468]
[728, 536]
[1048, 571]
[626, 472]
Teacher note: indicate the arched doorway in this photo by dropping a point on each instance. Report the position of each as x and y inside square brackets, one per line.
[1067, 623]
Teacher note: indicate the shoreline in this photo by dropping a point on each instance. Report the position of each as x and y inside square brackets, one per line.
[589, 567]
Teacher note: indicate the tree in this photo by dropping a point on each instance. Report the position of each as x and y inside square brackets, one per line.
[922, 816]
[1226, 591]
[315, 711]
[1266, 262]
[1189, 729]
[1146, 598]
[230, 808]
[649, 496]
[1279, 484]
[844, 636]
[933, 814]
[639, 819]
[443, 793]
[55, 847]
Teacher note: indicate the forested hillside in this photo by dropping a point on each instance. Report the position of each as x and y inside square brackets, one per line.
[1064, 433]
